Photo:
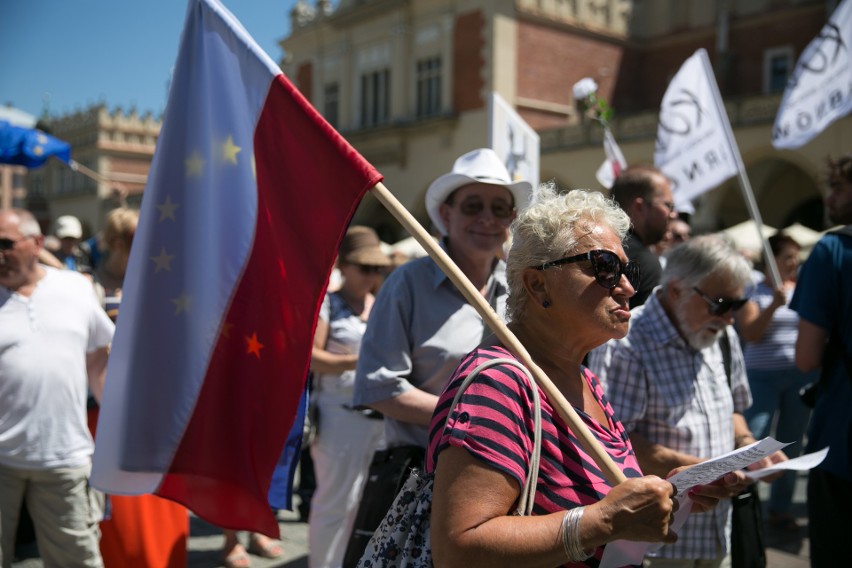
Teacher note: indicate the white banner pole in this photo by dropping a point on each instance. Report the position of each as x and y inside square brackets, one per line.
[745, 185]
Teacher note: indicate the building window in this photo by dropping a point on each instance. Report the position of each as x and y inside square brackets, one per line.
[331, 103]
[428, 86]
[36, 185]
[777, 66]
[375, 97]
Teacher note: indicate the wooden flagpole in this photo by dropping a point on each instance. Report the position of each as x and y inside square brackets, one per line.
[613, 474]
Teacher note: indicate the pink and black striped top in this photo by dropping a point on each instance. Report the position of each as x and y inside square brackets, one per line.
[494, 422]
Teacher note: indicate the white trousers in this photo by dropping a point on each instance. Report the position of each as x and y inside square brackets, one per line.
[342, 451]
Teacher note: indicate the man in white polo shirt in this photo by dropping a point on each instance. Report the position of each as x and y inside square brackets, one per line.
[54, 339]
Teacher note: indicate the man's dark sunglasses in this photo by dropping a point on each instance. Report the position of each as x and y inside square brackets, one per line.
[605, 264]
[720, 306]
[500, 209]
[9, 244]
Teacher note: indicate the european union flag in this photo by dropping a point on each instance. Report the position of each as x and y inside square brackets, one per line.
[29, 147]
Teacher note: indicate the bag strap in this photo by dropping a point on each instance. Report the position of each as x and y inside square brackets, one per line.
[725, 346]
[527, 497]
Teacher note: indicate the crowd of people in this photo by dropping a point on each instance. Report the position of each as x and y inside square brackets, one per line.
[670, 346]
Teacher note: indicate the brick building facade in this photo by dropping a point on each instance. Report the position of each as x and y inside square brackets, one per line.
[408, 82]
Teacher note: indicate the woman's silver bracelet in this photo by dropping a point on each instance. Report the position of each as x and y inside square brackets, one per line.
[571, 535]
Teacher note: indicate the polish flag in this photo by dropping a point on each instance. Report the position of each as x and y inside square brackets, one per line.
[614, 163]
[249, 194]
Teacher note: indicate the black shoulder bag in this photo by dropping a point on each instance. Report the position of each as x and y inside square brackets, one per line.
[747, 542]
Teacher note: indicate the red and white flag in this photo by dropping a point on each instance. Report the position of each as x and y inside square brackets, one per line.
[614, 163]
[249, 194]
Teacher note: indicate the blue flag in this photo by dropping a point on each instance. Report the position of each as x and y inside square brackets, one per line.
[29, 147]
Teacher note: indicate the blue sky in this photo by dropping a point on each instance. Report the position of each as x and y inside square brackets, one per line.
[82, 52]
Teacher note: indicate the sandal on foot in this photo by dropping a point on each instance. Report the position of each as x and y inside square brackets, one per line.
[237, 559]
[267, 549]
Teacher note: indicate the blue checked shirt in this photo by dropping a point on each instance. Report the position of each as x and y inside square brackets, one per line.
[679, 398]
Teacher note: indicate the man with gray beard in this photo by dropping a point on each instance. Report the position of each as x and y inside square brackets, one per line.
[667, 383]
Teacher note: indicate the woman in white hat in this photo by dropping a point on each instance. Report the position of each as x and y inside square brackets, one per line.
[421, 324]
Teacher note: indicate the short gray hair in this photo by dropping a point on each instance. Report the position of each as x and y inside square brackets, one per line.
[695, 259]
[550, 228]
[27, 224]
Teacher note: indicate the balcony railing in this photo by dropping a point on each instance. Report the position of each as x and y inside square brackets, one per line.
[745, 111]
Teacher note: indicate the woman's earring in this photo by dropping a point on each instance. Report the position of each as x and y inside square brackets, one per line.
[545, 304]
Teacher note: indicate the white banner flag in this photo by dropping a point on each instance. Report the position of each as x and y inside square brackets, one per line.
[694, 141]
[514, 140]
[614, 163]
[820, 89]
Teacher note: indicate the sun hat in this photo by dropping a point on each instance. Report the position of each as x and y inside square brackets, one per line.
[68, 226]
[361, 245]
[478, 166]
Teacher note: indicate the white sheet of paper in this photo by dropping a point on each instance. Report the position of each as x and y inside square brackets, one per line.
[712, 469]
[801, 463]
[625, 552]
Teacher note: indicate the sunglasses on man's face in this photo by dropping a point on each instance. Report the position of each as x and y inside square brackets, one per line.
[499, 208]
[9, 244]
[720, 306]
[606, 266]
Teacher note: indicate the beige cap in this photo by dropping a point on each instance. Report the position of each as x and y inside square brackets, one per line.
[68, 226]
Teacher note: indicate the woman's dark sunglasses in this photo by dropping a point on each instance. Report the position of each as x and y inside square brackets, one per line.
[370, 269]
[606, 266]
[720, 306]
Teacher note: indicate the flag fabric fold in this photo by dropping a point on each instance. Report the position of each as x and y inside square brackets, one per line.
[614, 163]
[249, 194]
[29, 147]
[820, 89]
[695, 147]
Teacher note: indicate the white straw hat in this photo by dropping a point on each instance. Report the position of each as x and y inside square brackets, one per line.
[478, 166]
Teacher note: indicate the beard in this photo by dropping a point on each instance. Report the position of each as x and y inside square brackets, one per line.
[654, 233]
[698, 339]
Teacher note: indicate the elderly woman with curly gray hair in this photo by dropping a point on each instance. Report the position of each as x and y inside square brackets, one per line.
[569, 286]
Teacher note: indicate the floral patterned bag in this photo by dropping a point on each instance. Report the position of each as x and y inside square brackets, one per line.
[402, 539]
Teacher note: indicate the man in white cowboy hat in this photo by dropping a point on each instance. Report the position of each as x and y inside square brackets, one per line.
[421, 325]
